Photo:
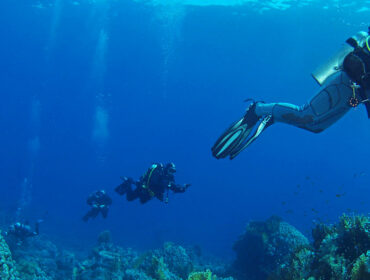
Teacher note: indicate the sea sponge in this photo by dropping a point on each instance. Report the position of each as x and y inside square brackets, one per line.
[206, 275]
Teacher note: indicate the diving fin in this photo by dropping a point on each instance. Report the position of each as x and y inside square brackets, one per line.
[265, 122]
[241, 134]
[236, 134]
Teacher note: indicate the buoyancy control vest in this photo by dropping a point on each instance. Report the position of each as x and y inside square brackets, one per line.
[357, 66]
[147, 177]
[354, 59]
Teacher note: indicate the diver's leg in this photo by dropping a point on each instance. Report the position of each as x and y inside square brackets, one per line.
[132, 194]
[122, 188]
[263, 109]
[104, 212]
[144, 198]
[86, 217]
[91, 214]
[324, 109]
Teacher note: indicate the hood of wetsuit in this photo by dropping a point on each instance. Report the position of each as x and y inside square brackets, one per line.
[170, 167]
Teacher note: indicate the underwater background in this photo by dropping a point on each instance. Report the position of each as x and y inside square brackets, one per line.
[95, 90]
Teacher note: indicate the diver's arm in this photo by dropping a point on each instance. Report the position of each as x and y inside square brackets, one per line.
[178, 188]
[90, 200]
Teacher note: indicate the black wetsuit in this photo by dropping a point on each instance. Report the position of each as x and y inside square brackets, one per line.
[156, 182]
[99, 202]
[22, 231]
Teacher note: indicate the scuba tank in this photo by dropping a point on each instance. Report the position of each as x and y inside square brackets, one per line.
[335, 64]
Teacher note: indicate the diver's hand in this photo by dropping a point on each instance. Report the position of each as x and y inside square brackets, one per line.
[187, 185]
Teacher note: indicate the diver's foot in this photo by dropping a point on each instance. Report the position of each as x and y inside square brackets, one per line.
[241, 133]
[250, 116]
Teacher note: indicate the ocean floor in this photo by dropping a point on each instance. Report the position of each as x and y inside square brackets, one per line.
[271, 249]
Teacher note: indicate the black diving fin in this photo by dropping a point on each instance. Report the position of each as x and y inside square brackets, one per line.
[240, 134]
[265, 122]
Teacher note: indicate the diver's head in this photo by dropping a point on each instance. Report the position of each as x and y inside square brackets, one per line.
[100, 193]
[170, 167]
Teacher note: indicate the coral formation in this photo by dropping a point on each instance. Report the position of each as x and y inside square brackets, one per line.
[40, 259]
[8, 269]
[342, 251]
[207, 275]
[272, 250]
[264, 247]
[178, 259]
[338, 252]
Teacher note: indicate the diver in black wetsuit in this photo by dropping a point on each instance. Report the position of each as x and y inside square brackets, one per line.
[157, 181]
[99, 202]
[21, 231]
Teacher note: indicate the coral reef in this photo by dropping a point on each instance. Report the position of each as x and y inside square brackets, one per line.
[271, 250]
[8, 269]
[40, 259]
[207, 275]
[178, 259]
[338, 252]
[343, 250]
[265, 247]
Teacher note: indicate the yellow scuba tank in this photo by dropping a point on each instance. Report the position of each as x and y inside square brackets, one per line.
[335, 64]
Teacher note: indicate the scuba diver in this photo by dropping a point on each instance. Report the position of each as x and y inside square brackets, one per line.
[21, 231]
[157, 181]
[99, 202]
[345, 84]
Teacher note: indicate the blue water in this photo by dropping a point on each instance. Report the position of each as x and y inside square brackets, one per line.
[91, 92]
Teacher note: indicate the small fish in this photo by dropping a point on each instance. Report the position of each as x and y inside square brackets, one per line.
[298, 186]
[338, 195]
[289, 211]
[321, 191]
[283, 202]
[296, 193]
[308, 178]
[314, 210]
